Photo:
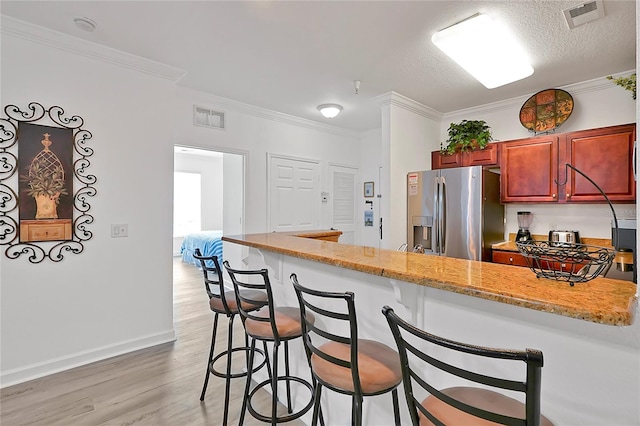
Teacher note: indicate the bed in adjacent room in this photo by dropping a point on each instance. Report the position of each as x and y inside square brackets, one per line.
[209, 243]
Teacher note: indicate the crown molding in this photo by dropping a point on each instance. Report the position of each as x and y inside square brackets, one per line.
[34, 33]
[255, 111]
[596, 84]
[396, 99]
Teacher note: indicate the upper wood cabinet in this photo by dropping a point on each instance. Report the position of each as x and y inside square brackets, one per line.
[482, 157]
[529, 170]
[534, 169]
[606, 156]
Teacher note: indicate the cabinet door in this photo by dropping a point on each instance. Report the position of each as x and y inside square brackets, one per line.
[481, 157]
[445, 161]
[529, 170]
[606, 156]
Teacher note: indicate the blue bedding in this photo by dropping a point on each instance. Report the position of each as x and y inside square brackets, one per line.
[209, 243]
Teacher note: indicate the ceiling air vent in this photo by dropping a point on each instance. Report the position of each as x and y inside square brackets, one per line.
[583, 13]
[207, 117]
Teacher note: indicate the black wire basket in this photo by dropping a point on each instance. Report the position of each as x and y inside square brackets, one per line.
[574, 263]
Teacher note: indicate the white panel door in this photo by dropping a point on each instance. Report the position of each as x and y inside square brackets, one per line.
[343, 208]
[294, 194]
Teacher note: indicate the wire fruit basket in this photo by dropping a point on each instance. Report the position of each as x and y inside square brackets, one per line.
[573, 263]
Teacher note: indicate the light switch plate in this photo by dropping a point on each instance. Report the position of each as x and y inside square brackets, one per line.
[119, 230]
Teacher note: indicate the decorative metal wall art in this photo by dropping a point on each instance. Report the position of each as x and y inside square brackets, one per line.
[44, 183]
[546, 110]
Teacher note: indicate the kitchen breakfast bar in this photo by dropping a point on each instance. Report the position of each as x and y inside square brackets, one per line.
[588, 333]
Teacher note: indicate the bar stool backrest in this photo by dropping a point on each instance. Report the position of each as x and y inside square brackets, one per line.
[414, 362]
[316, 333]
[213, 281]
[253, 279]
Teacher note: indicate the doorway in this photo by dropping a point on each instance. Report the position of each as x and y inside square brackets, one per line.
[208, 195]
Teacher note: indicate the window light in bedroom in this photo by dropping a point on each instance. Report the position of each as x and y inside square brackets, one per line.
[186, 203]
[485, 49]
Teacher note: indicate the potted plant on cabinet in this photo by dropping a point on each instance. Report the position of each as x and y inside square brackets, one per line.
[468, 135]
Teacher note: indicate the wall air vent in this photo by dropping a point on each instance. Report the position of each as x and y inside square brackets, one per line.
[583, 13]
[207, 117]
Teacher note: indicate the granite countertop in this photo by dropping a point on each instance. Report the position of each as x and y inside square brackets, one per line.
[511, 244]
[601, 300]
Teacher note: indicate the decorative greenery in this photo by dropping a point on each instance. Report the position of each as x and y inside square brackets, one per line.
[468, 135]
[43, 181]
[627, 83]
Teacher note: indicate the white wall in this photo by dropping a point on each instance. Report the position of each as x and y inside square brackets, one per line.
[597, 103]
[370, 160]
[116, 296]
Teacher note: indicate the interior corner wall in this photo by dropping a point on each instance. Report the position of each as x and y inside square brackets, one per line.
[370, 162]
[116, 296]
[412, 138]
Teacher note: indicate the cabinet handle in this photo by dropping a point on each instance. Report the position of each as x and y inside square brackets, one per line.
[568, 195]
[553, 195]
[511, 259]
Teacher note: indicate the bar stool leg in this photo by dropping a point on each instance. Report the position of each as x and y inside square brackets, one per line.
[228, 378]
[266, 355]
[357, 411]
[213, 344]
[248, 384]
[316, 404]
[286, 367]
[396, 407]
[274, 386]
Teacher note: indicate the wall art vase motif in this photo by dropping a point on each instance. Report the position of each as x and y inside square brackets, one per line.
[44, 183]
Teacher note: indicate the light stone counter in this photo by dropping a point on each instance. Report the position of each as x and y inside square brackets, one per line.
[602, 300]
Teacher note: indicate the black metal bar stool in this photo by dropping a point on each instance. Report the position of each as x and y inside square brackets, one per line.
[464, 405]
[224, 302]
[269, 324]
[344, 363]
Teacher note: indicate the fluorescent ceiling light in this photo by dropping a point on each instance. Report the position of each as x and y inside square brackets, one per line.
[329, 110]
[485, 50]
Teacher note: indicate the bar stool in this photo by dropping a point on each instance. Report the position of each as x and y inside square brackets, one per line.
[269, 324]
[345, 364]
[464, 405]
[224, 302]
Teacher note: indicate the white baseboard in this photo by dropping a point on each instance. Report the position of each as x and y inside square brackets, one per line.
[41, 369]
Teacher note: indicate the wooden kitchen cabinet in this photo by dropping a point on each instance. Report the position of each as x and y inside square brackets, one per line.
[508, 258]
[529, 170]
[606, 156]
[534, 169]
[481, 157]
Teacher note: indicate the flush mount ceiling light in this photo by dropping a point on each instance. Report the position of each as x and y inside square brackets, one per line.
[485, 50]
[329, 110]
[84, 23]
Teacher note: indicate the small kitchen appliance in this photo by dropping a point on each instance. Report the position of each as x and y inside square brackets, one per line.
[623, 240]
[524, 222]
[564, 238]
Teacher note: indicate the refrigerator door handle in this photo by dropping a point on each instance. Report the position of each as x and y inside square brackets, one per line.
[443, 216]
[436, 226]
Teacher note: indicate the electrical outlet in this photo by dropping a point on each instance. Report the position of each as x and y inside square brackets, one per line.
[119, 230]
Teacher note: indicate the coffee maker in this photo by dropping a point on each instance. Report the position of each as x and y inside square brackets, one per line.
[524, 222]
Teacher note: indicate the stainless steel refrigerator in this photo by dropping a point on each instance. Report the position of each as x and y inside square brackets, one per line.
[454, 212]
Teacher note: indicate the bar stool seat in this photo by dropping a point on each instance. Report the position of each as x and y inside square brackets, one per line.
[287, 322]
[217, 305]
[482, 398]
[378, 366]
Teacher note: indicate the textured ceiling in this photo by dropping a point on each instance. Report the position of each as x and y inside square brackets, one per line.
[292, 56]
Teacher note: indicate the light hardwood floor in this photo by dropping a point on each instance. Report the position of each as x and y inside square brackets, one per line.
[155, 386]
